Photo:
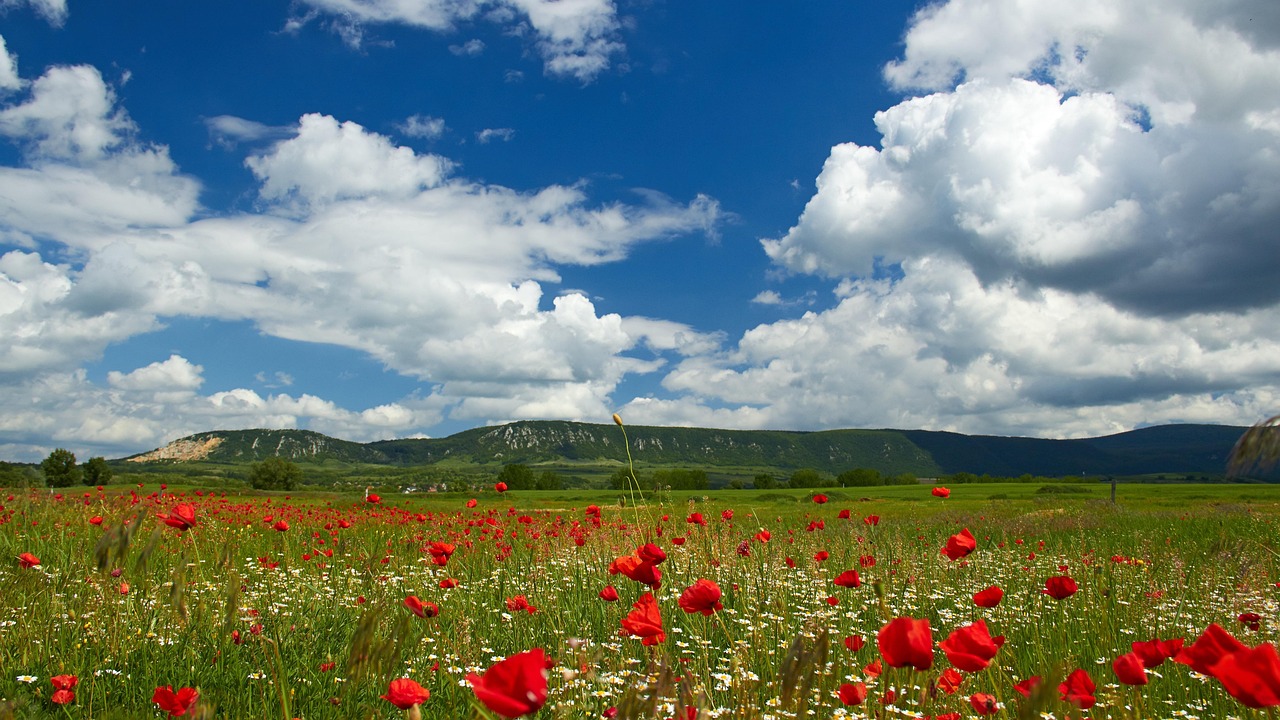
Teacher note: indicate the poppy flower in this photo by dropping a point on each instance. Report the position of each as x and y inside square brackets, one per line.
[983, 704]
[1129, 669]
[960, 545]
[373, 499]
[448, 583]
[281, 526]
[906, 641]
[471, 503]
[848, 578]
[871, 520]
[1212, 645]
[420, 608]
[27, 560]
[651, 553]
[609, 594]
[404, 693]
[1060, 587]
[1251, 620]
[175, 703]
[636, 569]
[63, 689]
[971, 648]
[852, 693]
[873, 669]
[988, 598]
[821, 556]
[644, 621]
[1078, 689]
[854, 642]
[1251, 675]
[696, 519]
[95, 520]
[515, 686]
[1028, 686]
[701, 597]
[820, 499]
[182, 517]
[500, 487]
[520, 602]
[949, 681]
[941, 492]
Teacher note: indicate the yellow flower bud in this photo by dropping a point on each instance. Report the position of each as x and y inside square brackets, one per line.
[617, 419]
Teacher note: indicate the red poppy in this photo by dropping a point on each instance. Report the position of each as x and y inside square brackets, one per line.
[763, 536]
[906, 641]
[871, 520]
[500, 487]
[941, 492]
[1251, 675]
[820, 498]
[696, 519]
[821, 556]
[983, 704]
[1028, 686]
[644, 621]
[1212, 645]
[971, 648]
[1251, 620]
[854, 642]
[420, 608]
[404, 693]
[636, 569]
[471, 503]
[449, 583]
[281, 526]
[960, 545]
[988, 598]
[95, 520]
[27, 560]
[701, 597]
[520, 602]
[852, 693]
[1060, 587]
[182, 517]
[848, 578]
[1129, 669]
[609, 594]
[949, 681]
[651, 553]
[374, 499]
[873, 669]
[1078, 689]
[175, 703]
[515, 686]
[63, 689]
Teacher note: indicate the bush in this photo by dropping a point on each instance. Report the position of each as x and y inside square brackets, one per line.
[275, 474]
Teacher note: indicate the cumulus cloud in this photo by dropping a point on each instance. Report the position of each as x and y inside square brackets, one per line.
[228, 131]
[576, 38]
[470, 48]
[54, 11]
[504, 134]
[1081, 206]
[9, 79]
[423, 126]
[356, 242]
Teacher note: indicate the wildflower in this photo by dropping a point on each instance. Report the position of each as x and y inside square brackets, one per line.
[644, 621]
[420, 608]
[27, 560]
[971, 648]
[906, 641]
[1213, 645]
[63, 689]
[960, 545]
[404, 693]
[1060, 587]
[1129, 669]
[949, 681]
[500, 487]
[988, 598]
[515, 686]
[701, 597]
[1251, 675]
[182, 517]
[983, 704]
[175, 703]
[941, 492]
[1078, 689]
[609, 594]
[854, 642]
[1028, 686]
[281, 526]
[520, 602]
[848, 578]
[820, 499]
[852, 693]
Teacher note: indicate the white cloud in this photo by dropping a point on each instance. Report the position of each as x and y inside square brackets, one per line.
[470, 48]
[229, 131]
[9, 79]
[423, 126]
[176, 373]
[487, 134]
[576, 38]
[54, 11]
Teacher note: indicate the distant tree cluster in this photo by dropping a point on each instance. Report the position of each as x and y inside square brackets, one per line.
[673, 479]
[521, 477]
[275, 473]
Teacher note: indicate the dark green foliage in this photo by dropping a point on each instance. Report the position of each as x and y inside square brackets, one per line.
[97, 472]
[16, 476]
[861, 477]
[60, 469]
[681, 479]
[549, 480]
[765, 481]
[275, 474]
[808, 478]
[517, 477]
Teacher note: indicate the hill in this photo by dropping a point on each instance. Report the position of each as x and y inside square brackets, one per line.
[1171, 449]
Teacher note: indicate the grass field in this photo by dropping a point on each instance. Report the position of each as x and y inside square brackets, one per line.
[312, 620]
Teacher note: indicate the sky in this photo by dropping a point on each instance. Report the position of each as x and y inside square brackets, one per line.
[405, 218]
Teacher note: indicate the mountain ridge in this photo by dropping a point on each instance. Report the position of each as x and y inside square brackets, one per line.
[1186, 448]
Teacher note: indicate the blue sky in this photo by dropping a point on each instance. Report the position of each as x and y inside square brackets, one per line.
[382, 219]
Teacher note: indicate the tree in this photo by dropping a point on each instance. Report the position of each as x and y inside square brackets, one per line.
[517, 477]
[807, 478]
[861, 477]
[60, 469]
[97, 472]
[764, 481]
[275, 474]
[549, 480]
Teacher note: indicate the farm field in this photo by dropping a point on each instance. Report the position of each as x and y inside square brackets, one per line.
[157, 601]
